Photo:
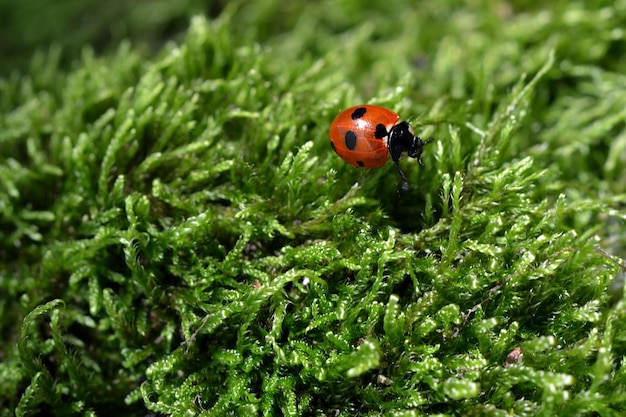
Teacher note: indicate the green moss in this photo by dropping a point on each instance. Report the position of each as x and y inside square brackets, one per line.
[178, 238]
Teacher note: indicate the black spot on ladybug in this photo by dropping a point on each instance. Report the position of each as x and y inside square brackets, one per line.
[332, 144]
[358, 113]
[381, 131]
[360, 163]
[350, 140]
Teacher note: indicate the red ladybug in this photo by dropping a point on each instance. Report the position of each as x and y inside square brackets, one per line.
[365, 136]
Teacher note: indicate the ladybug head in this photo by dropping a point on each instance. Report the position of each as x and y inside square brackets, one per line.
[402, 139]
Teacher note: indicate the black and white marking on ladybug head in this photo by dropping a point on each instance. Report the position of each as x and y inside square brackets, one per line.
[402, 140]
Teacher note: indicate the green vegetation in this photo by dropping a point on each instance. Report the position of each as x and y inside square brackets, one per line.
[177, 237]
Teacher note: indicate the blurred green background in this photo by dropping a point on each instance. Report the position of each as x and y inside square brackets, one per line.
[28, 26]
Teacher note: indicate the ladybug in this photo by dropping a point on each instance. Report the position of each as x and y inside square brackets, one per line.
[365, 136]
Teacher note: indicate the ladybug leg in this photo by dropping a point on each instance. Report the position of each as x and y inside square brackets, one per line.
[405, 181]
[395, 154]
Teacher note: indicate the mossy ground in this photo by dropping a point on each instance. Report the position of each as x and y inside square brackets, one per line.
[177, 237]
